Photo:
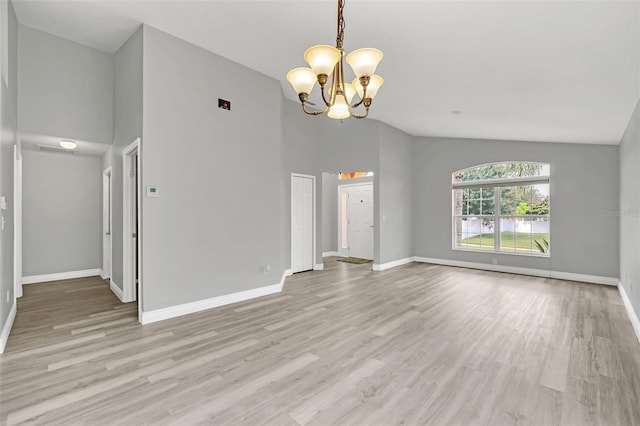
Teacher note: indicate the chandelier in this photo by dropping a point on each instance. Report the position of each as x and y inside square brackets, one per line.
[326, 61]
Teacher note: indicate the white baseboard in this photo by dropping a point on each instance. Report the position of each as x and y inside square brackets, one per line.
[393, 264]
[61, 276]
[318, 267]
[103, 274]
[635, 322]
[117, 291]
[569, 276]
[214, 302]
[7, 326]
[329, 253]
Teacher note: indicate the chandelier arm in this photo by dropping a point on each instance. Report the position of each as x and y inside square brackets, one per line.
[323, 95]
[304, 108]
[356, 105]
[366, 113]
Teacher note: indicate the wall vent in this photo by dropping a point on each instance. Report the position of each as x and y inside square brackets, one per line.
[57, 150]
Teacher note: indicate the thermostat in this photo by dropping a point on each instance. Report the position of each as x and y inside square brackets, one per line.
[153, 192]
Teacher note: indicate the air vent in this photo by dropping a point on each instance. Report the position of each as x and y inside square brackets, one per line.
[57, 150]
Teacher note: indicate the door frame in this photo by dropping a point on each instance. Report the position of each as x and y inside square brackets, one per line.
[313, 220]
[107, 223]
[17, 222]
[128, 280]
[341, 252]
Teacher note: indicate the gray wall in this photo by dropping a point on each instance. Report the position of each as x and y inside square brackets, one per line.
[127, 126]
[216, 224]
[630, 210]
[62, 226]
[396, 194]
[65, 89]
[313, 145]
[329, 212]
[584, 185]
[8, 138]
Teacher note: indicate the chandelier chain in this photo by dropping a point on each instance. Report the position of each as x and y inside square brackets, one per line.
[340, 37]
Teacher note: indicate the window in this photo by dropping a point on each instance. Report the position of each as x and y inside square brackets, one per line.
[502, 207]
[353, 175]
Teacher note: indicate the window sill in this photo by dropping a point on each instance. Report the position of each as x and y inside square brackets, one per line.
[542, 255]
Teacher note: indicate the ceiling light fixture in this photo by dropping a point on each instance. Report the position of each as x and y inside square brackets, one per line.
[327, 60]
[68, 144]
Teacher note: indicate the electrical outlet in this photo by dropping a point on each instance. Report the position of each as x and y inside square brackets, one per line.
[267, 269]
[494, 261]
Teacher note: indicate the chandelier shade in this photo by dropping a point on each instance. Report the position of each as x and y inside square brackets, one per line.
[302, 79]
[375, 82]
[322, 58]
[328, 62]
[364, 61]
[339, 109]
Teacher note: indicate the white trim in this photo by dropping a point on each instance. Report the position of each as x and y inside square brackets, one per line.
[329, 253]
[116, 290]
[318, 267]
[214, 302]
[517, 181]
[128, 281]
[393, 264]
[32, 279]
[107, 225]
[313, 209]
[594, 279]
[635, 322]
[569, 276]
[7, 327]
[17, 222]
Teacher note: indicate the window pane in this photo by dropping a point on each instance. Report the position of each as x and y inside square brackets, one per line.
[478, 234]
[507, 233]
[501, 171]
[540, 200]
[507, 201]
[540, 230]
[488, 192]
[488, 206]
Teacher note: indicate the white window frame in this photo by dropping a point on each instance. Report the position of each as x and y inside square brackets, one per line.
[497, 216]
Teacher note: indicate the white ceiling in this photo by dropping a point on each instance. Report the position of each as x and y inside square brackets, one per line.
[552, 71]
[31, 142]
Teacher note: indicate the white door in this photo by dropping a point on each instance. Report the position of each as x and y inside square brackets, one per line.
[302, 205]
[360, 221]
[106, 223]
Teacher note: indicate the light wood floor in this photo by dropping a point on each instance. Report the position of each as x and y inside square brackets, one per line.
[417, 344]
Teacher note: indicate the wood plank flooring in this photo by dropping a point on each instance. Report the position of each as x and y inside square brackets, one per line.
[417, 344]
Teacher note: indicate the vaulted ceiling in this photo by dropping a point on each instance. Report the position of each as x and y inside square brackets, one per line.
[550, 71]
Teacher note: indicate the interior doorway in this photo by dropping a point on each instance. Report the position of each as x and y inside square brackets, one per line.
[355, 220]
[106, 223]
[303, 218]
[131, 261]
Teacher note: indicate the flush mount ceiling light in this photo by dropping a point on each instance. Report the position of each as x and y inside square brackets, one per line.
[328, 61]
[68, 144]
